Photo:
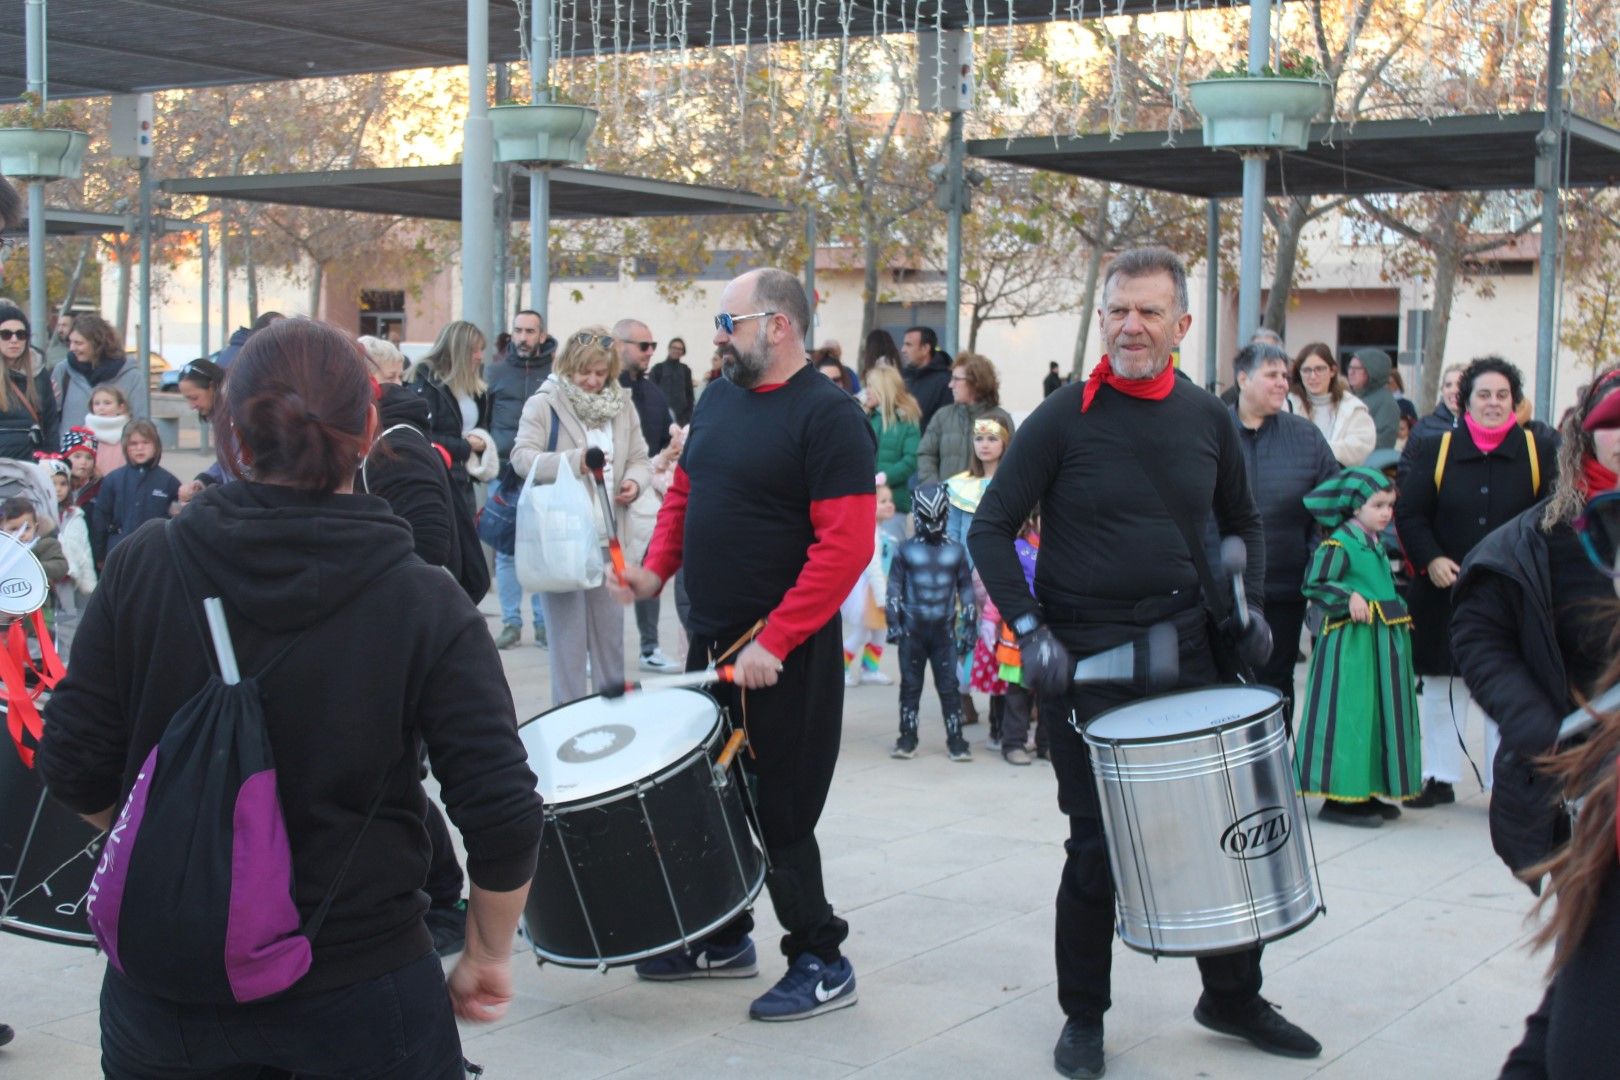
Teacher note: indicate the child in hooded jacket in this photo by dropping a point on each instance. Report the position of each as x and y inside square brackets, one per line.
[135, 494]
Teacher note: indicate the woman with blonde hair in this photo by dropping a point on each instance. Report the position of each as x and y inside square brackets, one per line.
[582, 406]
[894, 415]
[451, 379]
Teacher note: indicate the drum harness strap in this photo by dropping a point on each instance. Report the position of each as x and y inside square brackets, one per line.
[742, 692]
[22, 715]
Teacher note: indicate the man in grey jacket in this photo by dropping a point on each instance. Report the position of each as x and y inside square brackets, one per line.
[1367, 372]
[1286, 457]
[512, 380]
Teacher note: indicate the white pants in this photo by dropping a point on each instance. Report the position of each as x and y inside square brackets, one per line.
[1446, 711]
[576, 622]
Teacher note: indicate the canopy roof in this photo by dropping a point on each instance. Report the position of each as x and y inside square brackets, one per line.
[434, 191]
[59, 222]
[122, 46]
[1451, 153]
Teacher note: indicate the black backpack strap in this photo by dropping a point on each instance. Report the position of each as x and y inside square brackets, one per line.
[192, 604]
[556, 424]
[312, 926]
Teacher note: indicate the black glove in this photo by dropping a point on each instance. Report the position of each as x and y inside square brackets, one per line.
[897, 630]
[1254, 645]
[1047, 668]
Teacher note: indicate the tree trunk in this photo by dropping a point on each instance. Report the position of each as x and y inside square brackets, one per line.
[316, 280]
[73, 282]
[126, 270]
[869, 282]
[1434, 351]
[252, 269]
[1287, 258]
[1088, 302]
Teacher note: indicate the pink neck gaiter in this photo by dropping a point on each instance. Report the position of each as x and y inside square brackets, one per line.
[1488, 439]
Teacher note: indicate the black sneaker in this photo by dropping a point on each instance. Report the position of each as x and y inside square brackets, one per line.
[957, 749]
[448, 925]
[1258, 1021]
[905, 747]
[1387, 811]
[1079, 1051]
[1434, 793]
[1360, 815]
[5, 1034]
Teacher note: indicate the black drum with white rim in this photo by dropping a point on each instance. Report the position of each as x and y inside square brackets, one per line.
[647, 844]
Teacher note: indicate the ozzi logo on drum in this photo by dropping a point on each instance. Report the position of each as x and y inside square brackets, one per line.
[14, 587]
[1256, 835]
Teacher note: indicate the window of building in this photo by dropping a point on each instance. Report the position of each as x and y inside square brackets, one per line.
[382, 310]
[1368, 332]
[898, 318]
[582, 266]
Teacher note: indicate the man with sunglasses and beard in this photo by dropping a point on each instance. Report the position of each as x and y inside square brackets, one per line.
[771, 516]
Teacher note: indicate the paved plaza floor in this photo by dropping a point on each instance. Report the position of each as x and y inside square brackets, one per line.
[946, 873]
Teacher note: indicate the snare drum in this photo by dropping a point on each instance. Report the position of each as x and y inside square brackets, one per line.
[1207, 835]
[47, 857]
[647, 844]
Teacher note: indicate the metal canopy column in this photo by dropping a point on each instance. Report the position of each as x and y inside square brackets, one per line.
[477, 177]
[36, 188]
[1550, 152]
[810, 274]
[540, 178]
[1254, 187]
[1212, 294]
[956, 189]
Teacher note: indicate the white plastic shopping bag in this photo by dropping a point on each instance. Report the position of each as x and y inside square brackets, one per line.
[557, 547]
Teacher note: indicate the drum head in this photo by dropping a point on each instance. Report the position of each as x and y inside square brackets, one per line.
[23, 587]
[1182, 713]
[595, 745]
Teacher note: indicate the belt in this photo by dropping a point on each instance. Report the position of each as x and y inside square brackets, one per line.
[1144, 612]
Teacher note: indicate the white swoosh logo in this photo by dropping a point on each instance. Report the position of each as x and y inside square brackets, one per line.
[824, 994]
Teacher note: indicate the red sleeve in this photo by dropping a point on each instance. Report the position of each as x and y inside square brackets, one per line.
[844, 528]
[664, 550]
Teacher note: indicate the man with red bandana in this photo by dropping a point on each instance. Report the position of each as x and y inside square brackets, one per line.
[1113, 562]
[771, 514]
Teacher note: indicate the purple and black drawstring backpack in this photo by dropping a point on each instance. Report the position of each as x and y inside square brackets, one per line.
[193, 898]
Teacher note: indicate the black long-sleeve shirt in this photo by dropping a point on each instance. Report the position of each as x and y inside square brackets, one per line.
[1105, 533]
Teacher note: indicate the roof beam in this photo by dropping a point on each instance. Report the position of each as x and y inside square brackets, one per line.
[201, 11]
[167, 58]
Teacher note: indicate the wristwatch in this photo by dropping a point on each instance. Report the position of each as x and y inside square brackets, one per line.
[1026, 624]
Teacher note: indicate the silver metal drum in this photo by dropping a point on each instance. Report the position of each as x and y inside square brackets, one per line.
[1207, 834]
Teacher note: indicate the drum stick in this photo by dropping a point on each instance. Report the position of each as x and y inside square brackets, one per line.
[596, 461]
[724, 673]
[733, 744]
[1234, 560]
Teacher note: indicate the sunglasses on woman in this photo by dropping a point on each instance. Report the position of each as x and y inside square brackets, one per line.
[585, 337]
[13, 335]
[1599, 530]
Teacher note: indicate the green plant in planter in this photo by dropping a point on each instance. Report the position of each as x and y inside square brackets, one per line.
[31, 112]
[1293, 66]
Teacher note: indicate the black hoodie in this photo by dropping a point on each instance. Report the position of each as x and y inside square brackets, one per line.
[395, 655]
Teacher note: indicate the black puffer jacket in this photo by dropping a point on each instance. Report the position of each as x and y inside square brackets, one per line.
[18, 422]
[674, 378]
[444, 421]
[930, 385]
[1477, 493]
[513, 379]
[1506, 649]
[1286, 457]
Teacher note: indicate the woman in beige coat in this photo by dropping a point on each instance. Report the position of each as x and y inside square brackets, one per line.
[591, 409]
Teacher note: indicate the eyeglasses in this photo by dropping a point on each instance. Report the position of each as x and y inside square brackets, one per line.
[13, 335]
[959, 378]
[644, 346]
[1599, 530]
[726, 323]
[585, 337]
[1315, 369]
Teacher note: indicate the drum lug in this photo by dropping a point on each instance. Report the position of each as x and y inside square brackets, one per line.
[722, 778]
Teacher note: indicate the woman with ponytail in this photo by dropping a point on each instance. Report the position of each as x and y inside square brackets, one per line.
[1530, 631]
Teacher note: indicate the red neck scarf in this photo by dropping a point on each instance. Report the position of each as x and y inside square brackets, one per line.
[1596, 478]
[1488, 439]
[1155, 389]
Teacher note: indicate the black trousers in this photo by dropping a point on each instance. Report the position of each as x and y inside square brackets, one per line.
[793, 734]
[395, 1027]
[1085, 899]
[929, 644]
[1015, 717]
[1285, 617]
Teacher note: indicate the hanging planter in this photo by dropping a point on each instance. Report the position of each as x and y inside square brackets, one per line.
[37, 143]
[1258, 111]
[544, 134]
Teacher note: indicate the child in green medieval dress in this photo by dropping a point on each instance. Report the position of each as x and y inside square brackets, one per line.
[1358, 736]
